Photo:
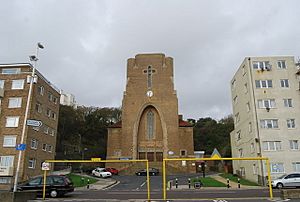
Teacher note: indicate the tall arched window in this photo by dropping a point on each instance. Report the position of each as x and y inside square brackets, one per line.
[150, 124]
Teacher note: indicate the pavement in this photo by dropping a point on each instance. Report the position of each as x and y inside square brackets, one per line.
[101, 184]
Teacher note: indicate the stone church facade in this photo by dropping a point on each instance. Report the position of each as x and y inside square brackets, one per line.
[151, 127]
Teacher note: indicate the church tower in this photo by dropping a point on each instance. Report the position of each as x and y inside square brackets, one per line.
[151, 127]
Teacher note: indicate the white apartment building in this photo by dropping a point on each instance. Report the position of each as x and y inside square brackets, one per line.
[266, 108]
[67, 99]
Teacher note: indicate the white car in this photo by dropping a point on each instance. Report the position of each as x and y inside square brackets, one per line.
[101, 172]
[290, 180]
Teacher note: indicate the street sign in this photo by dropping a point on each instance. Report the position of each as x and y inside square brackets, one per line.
[45, 166]
[34, 123]
[21, 147]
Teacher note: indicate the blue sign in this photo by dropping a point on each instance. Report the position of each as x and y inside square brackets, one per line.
[21, 147]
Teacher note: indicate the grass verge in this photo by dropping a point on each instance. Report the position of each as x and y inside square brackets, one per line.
[235, 179]
[208, 182]
[81, 181]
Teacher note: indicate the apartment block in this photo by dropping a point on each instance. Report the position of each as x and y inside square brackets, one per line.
[67, 99]
[266, 110]
[44, 106]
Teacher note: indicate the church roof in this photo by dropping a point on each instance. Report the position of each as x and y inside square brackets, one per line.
[182, 123]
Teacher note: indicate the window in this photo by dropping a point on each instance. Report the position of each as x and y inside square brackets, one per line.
[53, 115]
[288, 102]
[12, 121]
[50, 96]
[281, 64]
[250, 127]
[277, 167]
[48, 113]
[182, 152]
[237, 117]
[238, 135]
[263, 83]
[269, 123]
[17, 84]
[254, 168]
[243, 70]
[150, 125]
[5, 180]
[296, 166]
[284, 83]
[44, 148]
[49, 148]
[271, 145]
[117, 152]
[290, 123]
[31, 163]
[149, 76]
[2, 84]
[55, 100]
[294, 145]
[11, 71]
[242, 171]
[264, 65]
[241, 153]
[52, 132]
[46, 129]
[235, 99]
[14, 102]
[246, 88]
[38, 107]
[233, 83]
[248, 106]
[41, 90]
[33, 144]
[7, 161]
[9, 141]
[268, 103]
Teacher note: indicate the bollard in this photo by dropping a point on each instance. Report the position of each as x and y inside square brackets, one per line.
[88, 184]
[176, 183]
[239, 184]
[228, 186]
[189, 182]
[170, 184]
[82, 181]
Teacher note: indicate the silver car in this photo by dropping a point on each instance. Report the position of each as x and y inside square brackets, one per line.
[290, 180]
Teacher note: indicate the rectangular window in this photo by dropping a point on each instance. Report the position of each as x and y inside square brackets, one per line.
[17, 84]
[38, 107]
[250, 127]
[11, 71]
[49, 148]
[272, 145]
[55, 100]
[31, 163]
[9, 141]
[263, 83]
[288, 102]
[248, 107]
[252, 149]
[296, 166]
[14, 102]
[281, 64]
[46, 129]
[235, 99]
[284, 83]
[50, 96]
[237, 117]
[238, 135]
[277, 167]
[233, 83]
[12, 121]
[267, 103]
[53, 115]
[269, 123]
[33, 144]
[2, 84]
[241, 153]
[5, 180]
[294, 145]
[290, 123]
[246, 88]
[7, 161]
[44, 148]
[52, 132]
[40, 90]
[264, 65]
[48, 113]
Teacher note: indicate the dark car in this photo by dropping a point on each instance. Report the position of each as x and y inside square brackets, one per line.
[56, 185]
[112, 171]
[152, 171]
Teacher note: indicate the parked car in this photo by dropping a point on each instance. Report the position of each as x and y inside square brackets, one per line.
[101, 172]
[152, 171]
[112, 171]
[56, 185]
[290, 180]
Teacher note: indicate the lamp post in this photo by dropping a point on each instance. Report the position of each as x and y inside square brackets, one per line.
[33, 58]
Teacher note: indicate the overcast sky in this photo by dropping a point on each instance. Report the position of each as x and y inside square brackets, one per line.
[87, 43]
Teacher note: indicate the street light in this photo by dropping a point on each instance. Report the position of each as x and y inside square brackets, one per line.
[33, 58]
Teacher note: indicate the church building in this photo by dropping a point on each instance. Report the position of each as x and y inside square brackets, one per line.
[151, 127]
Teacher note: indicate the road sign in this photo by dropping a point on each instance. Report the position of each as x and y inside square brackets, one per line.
[34, 123]
[21, 147]
[45, 166]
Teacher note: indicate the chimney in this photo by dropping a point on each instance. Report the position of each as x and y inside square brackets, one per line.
[180, 117]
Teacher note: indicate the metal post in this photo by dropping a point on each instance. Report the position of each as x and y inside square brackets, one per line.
[164, 180]
[176, 183]
[239, 183]
[44, 185]
[148, 181]
[25, 117]
[228, 186]
[189, 182]
[88, 184]
[269, 179]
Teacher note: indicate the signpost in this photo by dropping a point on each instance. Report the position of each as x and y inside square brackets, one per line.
[34, 123]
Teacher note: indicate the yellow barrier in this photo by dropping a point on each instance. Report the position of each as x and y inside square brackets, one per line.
[97, 160]
[214, 159]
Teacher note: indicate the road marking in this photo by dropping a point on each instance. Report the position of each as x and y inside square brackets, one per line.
[219, 201]
[279, 200]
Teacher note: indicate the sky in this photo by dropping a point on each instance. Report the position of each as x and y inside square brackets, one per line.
[87, 43]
